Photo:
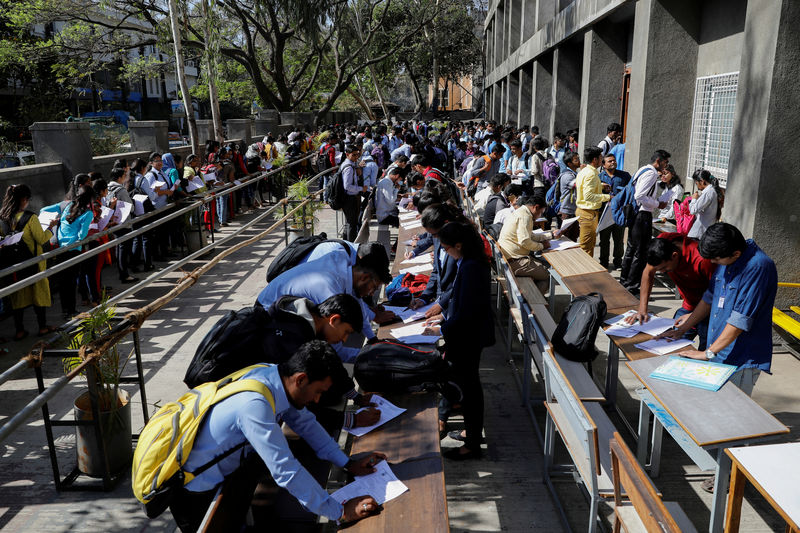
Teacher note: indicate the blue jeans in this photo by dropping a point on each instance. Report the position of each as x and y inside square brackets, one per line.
[700, 330]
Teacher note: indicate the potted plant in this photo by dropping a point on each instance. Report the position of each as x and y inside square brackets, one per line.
[301, 222]
[113, 403]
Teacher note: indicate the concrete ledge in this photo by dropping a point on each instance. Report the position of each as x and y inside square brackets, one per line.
[46, 181]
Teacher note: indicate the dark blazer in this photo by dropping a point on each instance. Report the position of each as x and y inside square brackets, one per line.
[495, 203]
[469, 319]
[442, 277]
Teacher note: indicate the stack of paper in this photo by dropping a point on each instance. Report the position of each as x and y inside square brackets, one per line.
[211, 176]
[408, 215]
[663, 346]
[413, 224]
[568, 222]
[388, 412]
[382, 485]
[123, 212]
[407, 314]
[419, 260]
[138, 204]
[45, 217]
[701, 374]
[106, 215]
[413, 334]
[656, 325]
[416, 269]
[558, 244]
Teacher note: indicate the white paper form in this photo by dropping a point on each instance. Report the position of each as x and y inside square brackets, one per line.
[419, 260]
[413, 334]
[655, 326]
[138, 204]
[211, 176]
[382, 485]
[663, 346]
[45, 217]
[606, 219]
[159, 184]
[195, 184]
[11, 239]
[122, 212]
[407, 314]
[558, 244]
[408, 215]
[105, 217]
[416, 269]
[568, 222]
[413, 224]
[388, 411]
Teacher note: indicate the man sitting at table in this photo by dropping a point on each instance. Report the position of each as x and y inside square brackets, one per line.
[679, 257]
[386, 209]
[518, 242]
[248, 418]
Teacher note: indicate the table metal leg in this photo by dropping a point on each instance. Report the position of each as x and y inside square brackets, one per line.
[720, 491]
[612, 373]
[644, 433]
[551, 296]
[655, 457]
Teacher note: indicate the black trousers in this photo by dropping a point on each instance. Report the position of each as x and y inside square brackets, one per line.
[465, 372]
[350, 210]
[618, 234]
[633, 263]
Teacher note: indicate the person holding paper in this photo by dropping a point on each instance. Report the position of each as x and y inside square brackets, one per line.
[518, 242]
[251, 420]
[13, 219]
[679, 257]
[117, 189]
[616, 179]
[590, 198]
[74, 227]
[467, 326]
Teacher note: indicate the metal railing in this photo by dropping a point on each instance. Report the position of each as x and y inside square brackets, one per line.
[39, 401]
[181, 210]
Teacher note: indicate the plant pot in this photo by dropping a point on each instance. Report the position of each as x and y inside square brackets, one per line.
[116, 431]
[295, 233]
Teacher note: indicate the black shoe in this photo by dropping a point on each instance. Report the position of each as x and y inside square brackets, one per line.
[454, 454]
[456, 435]
[617, 266]
[604, 264]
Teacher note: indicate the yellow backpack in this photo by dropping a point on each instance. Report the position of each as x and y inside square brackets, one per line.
[166, 441]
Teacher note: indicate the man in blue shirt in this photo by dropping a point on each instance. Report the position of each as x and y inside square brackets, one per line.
[617, 180]
[386, 198]
[738, 304]
[558, 149]
[353, 187]
[248, 418]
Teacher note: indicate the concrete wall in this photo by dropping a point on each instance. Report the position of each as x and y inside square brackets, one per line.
[721, 37]
[567, 71]
[45, 180]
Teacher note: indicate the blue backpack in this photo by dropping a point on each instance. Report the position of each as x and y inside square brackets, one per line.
[624, 205]
[553, 199]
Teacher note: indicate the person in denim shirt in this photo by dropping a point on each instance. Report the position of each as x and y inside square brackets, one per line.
[617, 180]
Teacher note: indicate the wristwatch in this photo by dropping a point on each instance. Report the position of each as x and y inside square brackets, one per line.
[710, 354]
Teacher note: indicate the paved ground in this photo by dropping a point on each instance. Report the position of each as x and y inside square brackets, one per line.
[502, 492]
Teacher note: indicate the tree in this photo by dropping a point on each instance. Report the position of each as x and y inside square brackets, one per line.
[187, 97]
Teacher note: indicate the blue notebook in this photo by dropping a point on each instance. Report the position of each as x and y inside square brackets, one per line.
[701, 374]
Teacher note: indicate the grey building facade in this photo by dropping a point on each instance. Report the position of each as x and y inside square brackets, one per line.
[714, 82]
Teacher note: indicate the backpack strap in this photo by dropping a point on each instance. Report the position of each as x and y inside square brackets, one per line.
[23, 221]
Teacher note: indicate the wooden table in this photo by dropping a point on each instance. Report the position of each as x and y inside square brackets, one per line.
[411, 445]
[572, 262]
[713, 420]
[774, 470]
[618, 299]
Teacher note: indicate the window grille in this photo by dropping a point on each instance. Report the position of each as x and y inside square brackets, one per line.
[712, 125]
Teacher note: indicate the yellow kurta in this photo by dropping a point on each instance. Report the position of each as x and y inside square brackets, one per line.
[37, 294]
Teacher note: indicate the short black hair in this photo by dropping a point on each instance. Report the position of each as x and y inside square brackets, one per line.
[419, 159]
[660, 154]
[512, 189]
[437, 215]
[660, 250]
[498, 148]
[316, 359]
[722, 240]
[499, 179]
[540, 143]
[537, 199]
[614, 126]
[401, 159]
[350, 148]
[154, 155]
[516, 143]
[568, 155]
[346, 306]
[590, 154]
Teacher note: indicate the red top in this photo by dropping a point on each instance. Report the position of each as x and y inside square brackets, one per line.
[432, 173]
[693, 273]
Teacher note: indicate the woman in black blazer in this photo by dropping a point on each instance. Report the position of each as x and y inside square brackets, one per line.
[467, 326]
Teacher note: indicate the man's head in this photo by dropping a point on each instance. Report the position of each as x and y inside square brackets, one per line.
[660, 159]
[516, 147]
[352, 152]
[559, 140]
[401, 161]
[418, 163]
[593, 156]
[610, 164]
[371, 269]
[339, 316]
[435, 216]
[663, 255]
[572, 159]
[310, 372]
[536, 203]
[497, 151]
[512, 192]
[498, 182]
[540, 143]
[722, 244]
[614, 131]
[395, 175]
[416, 181]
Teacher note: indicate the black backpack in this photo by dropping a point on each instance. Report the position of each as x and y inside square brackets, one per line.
[391, 366]
[246, 337]
[576, 332]
[335, 192]
[18, 252]
[296, 251]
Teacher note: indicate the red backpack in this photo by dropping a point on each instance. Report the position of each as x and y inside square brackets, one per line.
[683, 218]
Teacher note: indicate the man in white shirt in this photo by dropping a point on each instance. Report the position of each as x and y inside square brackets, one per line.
[613, 135]
[386, 198]
[640, 232]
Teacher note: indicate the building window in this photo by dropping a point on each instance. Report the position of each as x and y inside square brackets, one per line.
[444, 99]
[712, 125]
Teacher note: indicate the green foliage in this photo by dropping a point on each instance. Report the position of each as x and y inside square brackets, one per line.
[302, 218]
[109, 141]
[110, 365]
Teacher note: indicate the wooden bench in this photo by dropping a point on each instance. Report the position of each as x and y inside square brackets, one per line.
[411, 445]
[585, 430]
[643, 511]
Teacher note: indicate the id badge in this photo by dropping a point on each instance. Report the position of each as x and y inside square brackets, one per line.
[721, 302]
